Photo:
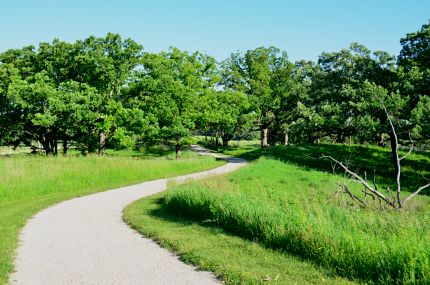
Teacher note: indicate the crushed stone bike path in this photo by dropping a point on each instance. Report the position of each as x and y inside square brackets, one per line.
[85, 241]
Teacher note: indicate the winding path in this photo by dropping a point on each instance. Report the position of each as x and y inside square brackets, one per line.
[85, 241]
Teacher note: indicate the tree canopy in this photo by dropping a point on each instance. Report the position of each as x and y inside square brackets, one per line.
[107, 92]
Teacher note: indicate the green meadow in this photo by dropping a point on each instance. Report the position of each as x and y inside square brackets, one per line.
[285, 203]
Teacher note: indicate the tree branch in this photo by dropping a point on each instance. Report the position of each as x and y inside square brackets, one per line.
[353, 197]
[396, 154]
[416, 192]
[410, 150]
[362, 181]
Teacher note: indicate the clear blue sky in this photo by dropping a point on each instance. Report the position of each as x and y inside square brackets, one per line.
[304, 28]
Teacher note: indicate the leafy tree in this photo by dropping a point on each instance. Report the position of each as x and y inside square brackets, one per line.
[262, 74]
[416, 49]
[421, 119]
[227, 113]
[30, 99]
[414, 77]
[334, 106]
[106, 64]
[168, 91]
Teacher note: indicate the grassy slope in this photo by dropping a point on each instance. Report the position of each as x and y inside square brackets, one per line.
[235, 260]
[326, 230]
[359, 158]
[29, 184]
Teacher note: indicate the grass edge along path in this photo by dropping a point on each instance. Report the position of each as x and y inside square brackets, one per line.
[233, 259]
[311, 223]
[31, 184]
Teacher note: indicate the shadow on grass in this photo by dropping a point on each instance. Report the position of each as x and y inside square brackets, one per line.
[164, 214]
[362, 159]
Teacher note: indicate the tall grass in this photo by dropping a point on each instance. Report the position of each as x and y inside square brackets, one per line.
[291, 208]
[29, 184]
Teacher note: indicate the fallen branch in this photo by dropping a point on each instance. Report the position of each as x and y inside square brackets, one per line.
[353, 197]
[416, 193]
[362, 181]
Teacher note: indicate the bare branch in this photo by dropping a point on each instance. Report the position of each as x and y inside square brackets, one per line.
[374, 180]
[353, 197]
[416, 192]
[367, 193]
[333, 166]
[396, 153]
[362, 181]
[410, 150]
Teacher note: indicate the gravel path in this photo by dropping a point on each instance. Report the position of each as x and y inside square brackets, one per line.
[85, 241]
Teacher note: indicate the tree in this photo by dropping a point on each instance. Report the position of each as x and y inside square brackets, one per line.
[168, 90]
[262, 74]
[414, 73]
[106, 64]
[226, 113]
[421, 119]
[30, 99]
[416, 49]
[334, 105]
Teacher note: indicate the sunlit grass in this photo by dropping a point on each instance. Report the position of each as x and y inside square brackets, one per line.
[29, 184]
[234, 259]
[293, 209]
[286, 200]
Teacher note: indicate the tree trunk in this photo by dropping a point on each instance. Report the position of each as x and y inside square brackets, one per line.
[65, 147]
[264, 131]
[102, 143]
[177, 150]
[52, 147]
[224, 141]
[286, 139]
[340, 138]
[46, 148]
[393, 145]
[381, 141]
[55, 147]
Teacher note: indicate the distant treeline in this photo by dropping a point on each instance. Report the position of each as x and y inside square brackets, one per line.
[108, 92]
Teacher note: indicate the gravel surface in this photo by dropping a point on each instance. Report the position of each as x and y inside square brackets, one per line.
[85, 241]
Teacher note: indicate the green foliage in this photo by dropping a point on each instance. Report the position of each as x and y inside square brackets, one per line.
[127, 97]
[67, 92]
[264, 75]
[416, 49]
[231, 118]
[168, 90]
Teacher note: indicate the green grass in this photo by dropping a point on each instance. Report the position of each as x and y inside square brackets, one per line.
[359, 158]
[234, 259]
[29, 184]
[284, 200]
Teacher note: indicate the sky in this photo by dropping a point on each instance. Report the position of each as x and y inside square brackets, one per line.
[303, 28]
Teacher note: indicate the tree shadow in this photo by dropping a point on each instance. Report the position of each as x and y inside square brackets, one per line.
[165, 214]
[365, 160]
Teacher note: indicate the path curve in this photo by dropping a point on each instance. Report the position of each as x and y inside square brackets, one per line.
[85, 241]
